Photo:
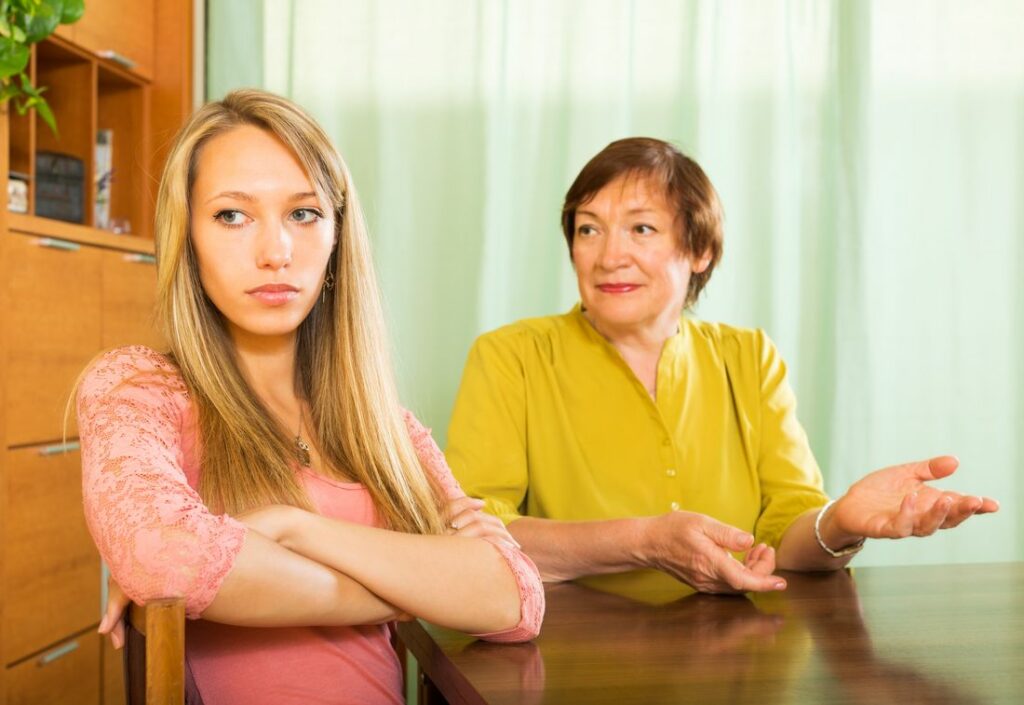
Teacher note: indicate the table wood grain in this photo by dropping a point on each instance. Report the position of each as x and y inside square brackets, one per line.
[926, 634]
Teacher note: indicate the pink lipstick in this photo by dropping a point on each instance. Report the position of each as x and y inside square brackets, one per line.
[274, 294]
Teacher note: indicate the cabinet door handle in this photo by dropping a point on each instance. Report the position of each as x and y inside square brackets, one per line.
[140, 258]
[60, 448]
[116, 58]
[48, 658]
[55, 244]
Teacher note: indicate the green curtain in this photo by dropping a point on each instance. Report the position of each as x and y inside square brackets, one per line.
[870, 156]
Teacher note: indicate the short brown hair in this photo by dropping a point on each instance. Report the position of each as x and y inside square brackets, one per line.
[685, 183]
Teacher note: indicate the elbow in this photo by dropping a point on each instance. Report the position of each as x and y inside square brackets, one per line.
[522, 620]
[509, 614]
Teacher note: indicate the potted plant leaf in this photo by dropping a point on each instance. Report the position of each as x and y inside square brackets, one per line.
[22, 24]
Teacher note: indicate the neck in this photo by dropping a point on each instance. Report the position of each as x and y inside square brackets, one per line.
[268, 364]
[644, 339]
[640, 345]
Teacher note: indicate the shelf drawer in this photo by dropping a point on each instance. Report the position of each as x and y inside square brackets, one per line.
[52, 570]
[55, 295]
[129, 298]
[67, 674]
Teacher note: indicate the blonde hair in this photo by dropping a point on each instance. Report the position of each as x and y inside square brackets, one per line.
[342, 362]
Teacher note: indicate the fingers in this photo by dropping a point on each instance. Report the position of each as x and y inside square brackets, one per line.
[461, 508]
[112, 622]
[761, 559]
[988, 506]
[929, 522]
[478, 524]
[728, 537]
[902, 525]
[742, 579]
[937, 468]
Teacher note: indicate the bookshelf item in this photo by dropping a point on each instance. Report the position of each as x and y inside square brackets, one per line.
[60, 187]
[104, 173]
[17, 192]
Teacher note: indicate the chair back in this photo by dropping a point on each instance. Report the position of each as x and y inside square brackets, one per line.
[155, 672]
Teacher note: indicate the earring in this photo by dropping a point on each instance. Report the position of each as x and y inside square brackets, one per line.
[328, 284]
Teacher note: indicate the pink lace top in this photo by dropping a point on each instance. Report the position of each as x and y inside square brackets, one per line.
[140, 470]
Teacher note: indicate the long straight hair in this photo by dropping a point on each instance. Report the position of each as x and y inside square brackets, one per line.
[343, 367]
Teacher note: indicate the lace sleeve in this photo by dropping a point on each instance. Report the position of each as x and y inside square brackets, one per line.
[150, 526]
[531, 589]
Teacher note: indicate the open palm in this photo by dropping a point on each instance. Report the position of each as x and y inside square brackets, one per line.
[895, 502]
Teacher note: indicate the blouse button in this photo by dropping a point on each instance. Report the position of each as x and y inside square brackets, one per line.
[671, 472]
[674, 506]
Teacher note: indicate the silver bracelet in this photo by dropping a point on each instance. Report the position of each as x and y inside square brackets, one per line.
[848, 551]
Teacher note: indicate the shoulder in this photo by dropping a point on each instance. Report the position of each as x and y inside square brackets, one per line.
[729, 342]
[721, 334]
[135, 367]
[539, 328]
[527, 336]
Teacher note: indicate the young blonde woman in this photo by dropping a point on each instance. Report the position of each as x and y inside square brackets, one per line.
[263, 469]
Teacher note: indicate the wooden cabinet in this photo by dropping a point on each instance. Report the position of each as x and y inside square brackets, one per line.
[51, 577]
[128, 296]
[54, 330]
[126, 28]
[112, 673]
[68, 291]
[67, 674]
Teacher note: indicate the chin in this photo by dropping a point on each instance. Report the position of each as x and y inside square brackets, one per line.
[269, 327]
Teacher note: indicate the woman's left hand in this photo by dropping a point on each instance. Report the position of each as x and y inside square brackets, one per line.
[115, 614]
[465, 516]
[895, 503]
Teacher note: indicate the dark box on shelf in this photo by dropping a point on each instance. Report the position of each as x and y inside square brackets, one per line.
[60, 187]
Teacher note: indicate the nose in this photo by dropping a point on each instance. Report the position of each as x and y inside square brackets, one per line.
[614, 251]
[273, 248]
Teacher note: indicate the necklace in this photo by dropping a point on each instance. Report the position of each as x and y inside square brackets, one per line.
[300, 444]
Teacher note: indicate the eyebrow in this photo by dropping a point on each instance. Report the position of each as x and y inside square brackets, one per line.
[631, 211]
[249, 198]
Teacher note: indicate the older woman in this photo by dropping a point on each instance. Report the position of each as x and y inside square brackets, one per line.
[623, 435]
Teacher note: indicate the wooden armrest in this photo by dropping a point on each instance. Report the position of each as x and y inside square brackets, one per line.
[162, 622]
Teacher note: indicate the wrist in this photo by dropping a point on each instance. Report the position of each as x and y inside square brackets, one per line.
[831, 534]
[643, 547]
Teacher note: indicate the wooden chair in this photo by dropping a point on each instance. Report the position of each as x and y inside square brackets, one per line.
[155, 672]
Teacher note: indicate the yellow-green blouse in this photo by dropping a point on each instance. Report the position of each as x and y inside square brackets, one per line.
[551, 422]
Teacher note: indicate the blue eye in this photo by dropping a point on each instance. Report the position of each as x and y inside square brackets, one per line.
[305, 216]
[230, 218]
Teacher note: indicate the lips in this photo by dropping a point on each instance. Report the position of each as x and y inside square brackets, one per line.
[623, 288]
[274, 294]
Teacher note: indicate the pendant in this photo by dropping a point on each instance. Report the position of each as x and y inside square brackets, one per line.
[303, 451]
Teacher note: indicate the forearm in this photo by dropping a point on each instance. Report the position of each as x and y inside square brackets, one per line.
[271, 586]
[456, 582]
[565, 550]
[799, 548]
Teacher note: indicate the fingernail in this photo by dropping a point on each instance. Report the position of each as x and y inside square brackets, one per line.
[780, 585]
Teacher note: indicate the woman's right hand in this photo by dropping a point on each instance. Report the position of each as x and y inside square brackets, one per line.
[466, 517]
[697, 550]
[113, 620]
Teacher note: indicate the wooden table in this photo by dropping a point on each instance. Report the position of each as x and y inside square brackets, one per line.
[934, 634]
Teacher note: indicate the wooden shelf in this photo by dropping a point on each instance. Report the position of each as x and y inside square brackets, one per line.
[46, 227]
[86, 94]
